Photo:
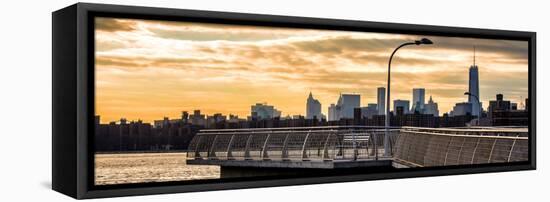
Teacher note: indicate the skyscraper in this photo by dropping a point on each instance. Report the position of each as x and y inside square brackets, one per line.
[498, 104]
[418, 100]
[370, 110]
[344, 107]
[431, 108]
[381, 102]
[313, 108]
[264, 111]
[473, 88]
[348, 103]
[401, 103]
[461, 109]
[333, 112]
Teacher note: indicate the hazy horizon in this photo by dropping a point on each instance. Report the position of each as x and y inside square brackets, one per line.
[149, 69]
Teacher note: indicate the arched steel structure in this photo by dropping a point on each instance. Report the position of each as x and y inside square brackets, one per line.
[290, 144]
[323, 147]
[443, 147]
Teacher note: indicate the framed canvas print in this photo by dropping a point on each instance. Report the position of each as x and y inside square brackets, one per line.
[155, 100]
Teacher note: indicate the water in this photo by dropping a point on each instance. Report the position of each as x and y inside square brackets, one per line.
[148, 167]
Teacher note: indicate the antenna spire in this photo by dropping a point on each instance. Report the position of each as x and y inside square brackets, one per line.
[474, 55]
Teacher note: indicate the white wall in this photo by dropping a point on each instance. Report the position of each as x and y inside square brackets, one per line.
[25, 103]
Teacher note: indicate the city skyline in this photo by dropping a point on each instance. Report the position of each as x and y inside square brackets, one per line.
[151, 69]
[430, 108]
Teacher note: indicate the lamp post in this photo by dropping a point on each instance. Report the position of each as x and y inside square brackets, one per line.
[422, 41]
[478, 103]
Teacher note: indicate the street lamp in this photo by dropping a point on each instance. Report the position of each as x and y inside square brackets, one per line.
[478, 103]
[422, 41]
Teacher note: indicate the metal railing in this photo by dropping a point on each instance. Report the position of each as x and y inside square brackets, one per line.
[325, 143]
[482, 131]
[412, 146]
[443, 147]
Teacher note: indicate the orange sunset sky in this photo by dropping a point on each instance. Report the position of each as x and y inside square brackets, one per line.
[151, 69]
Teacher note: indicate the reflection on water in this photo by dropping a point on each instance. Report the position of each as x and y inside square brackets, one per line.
[148, 167]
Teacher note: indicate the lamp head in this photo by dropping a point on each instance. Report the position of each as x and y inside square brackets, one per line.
[423, 41]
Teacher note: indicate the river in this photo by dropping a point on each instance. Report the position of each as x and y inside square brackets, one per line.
[148, 167]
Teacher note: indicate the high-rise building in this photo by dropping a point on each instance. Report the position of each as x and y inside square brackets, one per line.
[505, 113]
[399, 111]
[185, 116]
[348, 103]
[197, 118]
[418, 100]
[357, 115]
[264, 111]
[313, 108]
[369, 111]
[498, 105]
[211, 121]
[513, 106]
[401, 103]
[431, 108]
[333, 112]
[344, 107]
[473, 88]
[381, 100]
[461, 109]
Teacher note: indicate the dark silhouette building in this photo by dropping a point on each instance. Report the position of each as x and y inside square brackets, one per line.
[498, 105]
[504, 113]
[138, 136]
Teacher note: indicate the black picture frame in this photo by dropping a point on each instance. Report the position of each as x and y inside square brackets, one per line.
[73, 97]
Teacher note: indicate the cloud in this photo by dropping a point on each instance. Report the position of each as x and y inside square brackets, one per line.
[217, 32]
[114, 25]
[226, 68]
[341, 44]
[139, 62]
[504, 48]
[192, 35]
